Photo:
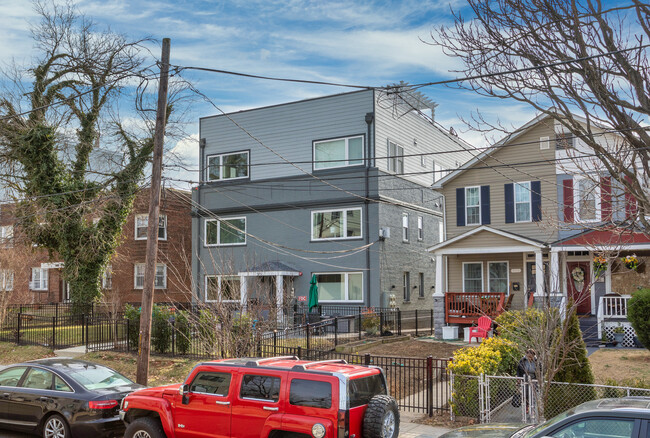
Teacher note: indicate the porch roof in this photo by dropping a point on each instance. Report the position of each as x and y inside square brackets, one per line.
[615, 238]
[269, 269]
[492, 240]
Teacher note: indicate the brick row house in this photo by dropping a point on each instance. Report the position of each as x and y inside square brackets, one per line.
[30, 275]
[552, 212]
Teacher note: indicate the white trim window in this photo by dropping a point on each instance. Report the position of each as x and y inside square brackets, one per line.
[406, 285]
[420, 228]
[586, 200]
[473, 205]
[395, 158]
[7, 279]
[39, 279]
[523, 203]
[564, 141]
[338, 152]
[225, 232]
[228, 166]
[335, 287]
[437, 172]
[498, 279]
[7, 236]
[107, 278]
[142, 225]
[405, 227]
[222, 289]
[160, 281]
[472, 277]
[336, 224]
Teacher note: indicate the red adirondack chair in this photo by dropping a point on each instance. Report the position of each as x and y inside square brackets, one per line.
[484, 326]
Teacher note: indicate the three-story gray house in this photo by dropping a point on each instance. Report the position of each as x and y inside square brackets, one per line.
[338, 187]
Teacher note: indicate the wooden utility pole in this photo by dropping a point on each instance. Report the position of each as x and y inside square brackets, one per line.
[142, 374]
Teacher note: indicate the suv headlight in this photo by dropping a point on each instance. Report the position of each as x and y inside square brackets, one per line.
[318, 430]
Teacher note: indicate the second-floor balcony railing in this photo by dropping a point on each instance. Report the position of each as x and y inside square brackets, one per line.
[468, 307]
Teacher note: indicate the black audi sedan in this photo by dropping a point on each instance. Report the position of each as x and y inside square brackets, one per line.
[63, 398]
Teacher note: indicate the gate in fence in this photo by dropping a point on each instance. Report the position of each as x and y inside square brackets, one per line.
[507, 399]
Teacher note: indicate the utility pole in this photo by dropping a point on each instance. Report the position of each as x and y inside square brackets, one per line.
[142, 374]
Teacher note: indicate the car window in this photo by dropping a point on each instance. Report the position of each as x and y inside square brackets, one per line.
[96, 376]
[363, 389]
[598, 428]
[60, 385]
[11, 376]
[260, 387]
[38, 379]
[311, 393]
[211, 383]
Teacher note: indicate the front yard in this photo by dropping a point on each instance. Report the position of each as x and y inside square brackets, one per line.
[622, 366]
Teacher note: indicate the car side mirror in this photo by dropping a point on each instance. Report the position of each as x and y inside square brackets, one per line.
[184, 391]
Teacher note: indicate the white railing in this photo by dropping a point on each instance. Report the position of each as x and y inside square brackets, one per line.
[611, 307]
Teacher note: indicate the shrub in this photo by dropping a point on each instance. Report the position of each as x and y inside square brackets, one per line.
[518, 325]
[370, 323]
[638, 309]
[183, 332]
[133, 316]
[161, 330]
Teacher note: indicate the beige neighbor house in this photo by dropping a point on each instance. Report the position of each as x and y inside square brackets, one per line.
[528, 205]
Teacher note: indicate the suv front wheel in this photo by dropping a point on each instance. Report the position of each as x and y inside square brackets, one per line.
[381, 418]
[145, 427]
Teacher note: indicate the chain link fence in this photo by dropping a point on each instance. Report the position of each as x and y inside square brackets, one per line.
[507, 399]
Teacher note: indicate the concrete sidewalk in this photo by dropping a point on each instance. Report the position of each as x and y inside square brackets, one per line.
[409, 429]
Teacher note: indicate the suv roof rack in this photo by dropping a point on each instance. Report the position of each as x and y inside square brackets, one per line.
[304, 366]
[258, 362]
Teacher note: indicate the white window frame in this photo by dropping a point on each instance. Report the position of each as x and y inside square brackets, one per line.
[437, 172]
[7, 236]
[43, 275]
[507, 274]
[406, 286]
[107, 278]
[395, 159]
[577, 196]
[7, 279]
[221, 178]
[142, 265]
[344, 215]
[162, 220]
[205, 231]
[544, 142]
[420, 227]
[472, 206]
[219, 279]
[482, 274]
[346, 275]
[530, 200]
[347, 152]
[405, 227]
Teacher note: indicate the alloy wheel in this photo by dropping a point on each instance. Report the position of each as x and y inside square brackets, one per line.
[388, 426]
[54, 428]
[141, 434]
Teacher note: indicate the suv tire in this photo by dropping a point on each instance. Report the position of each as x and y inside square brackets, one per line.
[381, 419]
[145, 427]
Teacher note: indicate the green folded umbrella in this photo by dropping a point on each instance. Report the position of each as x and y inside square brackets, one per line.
[313, 292]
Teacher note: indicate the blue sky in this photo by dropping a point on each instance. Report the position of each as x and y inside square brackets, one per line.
[355, 42]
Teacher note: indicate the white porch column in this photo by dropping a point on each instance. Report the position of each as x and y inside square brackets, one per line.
[608, 278]
[279, 298]
[539, 274]
[555, 273]
[243, 292]
[440, 271]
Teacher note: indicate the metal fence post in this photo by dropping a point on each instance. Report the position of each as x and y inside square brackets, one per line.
[54, 333]
[336, 331]
[56, 310]
[87, 332]
[430, 385]
[451, 395]
[299, 352]
[128, 335]
[359, 323]
[416, 323]
[308, 336]
[366, 359]
[381, 323]
[431, 326]
[20, 317]
[275, 343]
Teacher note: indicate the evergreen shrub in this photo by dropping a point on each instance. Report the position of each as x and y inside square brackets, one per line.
[638, 311]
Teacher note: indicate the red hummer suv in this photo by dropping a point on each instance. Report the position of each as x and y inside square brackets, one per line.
[274, 397]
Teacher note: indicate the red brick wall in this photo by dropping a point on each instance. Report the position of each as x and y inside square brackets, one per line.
[175, 252]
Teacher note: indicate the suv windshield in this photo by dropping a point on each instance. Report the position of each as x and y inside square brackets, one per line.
[97, 377]
[362, 390]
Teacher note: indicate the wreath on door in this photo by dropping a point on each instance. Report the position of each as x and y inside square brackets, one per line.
[578, 274]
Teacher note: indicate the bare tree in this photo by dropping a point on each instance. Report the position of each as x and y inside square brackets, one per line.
[582, 64]
[67, 155]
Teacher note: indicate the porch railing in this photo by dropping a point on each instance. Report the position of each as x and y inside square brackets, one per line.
[468, 307]
[612, 307]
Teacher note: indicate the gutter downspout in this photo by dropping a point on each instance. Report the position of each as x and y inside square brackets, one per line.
[199, 189]
[369, 119]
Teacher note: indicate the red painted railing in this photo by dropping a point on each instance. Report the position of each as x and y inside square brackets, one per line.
[467, 307]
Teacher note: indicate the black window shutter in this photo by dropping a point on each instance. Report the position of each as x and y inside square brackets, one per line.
[485, 205]
[460, 207]
[536, 200]
[509, 193]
